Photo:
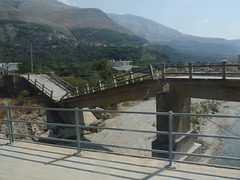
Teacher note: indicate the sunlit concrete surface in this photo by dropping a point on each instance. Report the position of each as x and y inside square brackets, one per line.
[23, 161]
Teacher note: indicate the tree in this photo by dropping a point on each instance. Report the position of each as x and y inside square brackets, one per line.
[103, 67]
[24, 67]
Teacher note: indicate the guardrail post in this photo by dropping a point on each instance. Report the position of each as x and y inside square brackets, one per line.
[28, 77]
[190, 70]
[76, 90]
[127, 82]
[235, 67]
[163, 70]
[170, 141]
[131, 77]
[207, 69]
[186, 68]
[51, 94]
[224, 70]
[88, 89]
[100, 85]
[35, 82]
[10, 130]
[151, 71]
[78, 119]
[43, 88]
[114, 81]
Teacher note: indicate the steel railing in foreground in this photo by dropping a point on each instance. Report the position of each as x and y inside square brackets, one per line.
[79, 126]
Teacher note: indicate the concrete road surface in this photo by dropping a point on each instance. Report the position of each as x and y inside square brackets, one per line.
[27, 161]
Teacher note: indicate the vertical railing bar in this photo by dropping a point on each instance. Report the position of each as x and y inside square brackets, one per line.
[163, 70]
[170, 141]
[190, 70]
[10, 130]
[78, 119]
[224, 70]
[151, 71]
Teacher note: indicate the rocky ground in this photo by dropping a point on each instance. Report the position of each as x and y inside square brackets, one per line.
[213, 126]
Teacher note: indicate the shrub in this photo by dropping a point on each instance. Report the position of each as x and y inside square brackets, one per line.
[204, 107]
[23, 97]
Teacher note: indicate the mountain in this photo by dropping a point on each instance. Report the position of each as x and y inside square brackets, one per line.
[85, 18]
[90, 25]
[160, 34]
[145, 28]
[37, 7]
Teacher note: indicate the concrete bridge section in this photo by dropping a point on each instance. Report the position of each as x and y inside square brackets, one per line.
[217, 89]
[139, 90]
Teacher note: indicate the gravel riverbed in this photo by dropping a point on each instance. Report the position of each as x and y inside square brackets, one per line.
[148, 122]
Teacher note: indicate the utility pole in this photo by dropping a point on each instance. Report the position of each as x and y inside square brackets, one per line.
[31, 60]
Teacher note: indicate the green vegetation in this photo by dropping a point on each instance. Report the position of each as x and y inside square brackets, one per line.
[79, 59]
[23, 98]
[107, 37]
[204, 107]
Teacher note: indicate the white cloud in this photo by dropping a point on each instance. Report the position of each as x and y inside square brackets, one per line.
[68, 2]
[65, 1]
[204, 21]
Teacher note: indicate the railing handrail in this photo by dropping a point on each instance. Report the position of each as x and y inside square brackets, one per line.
[80, 118]
[65, 84]
[222, 69]
[117, 80]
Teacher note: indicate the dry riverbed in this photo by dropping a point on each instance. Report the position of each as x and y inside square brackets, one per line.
[211, 146]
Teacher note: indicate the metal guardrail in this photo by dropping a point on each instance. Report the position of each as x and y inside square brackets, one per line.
[79, 119]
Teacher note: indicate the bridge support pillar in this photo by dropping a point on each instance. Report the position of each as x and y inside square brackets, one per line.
[169, 101]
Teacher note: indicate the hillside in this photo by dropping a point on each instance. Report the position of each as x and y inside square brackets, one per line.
[85, 18]
[89, 25]
[157, 33]
[37, 7]
[95, 26]
[145, 28]
[8, 13]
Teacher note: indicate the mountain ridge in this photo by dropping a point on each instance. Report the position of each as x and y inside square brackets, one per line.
[88, 21]
[160, 34]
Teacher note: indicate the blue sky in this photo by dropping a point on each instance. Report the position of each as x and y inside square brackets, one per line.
[206, 18]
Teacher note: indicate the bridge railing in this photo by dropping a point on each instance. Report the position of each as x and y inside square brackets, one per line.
[223, 70]
[41, 87]
[120, 80]
[65, 85]
[79, 127]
